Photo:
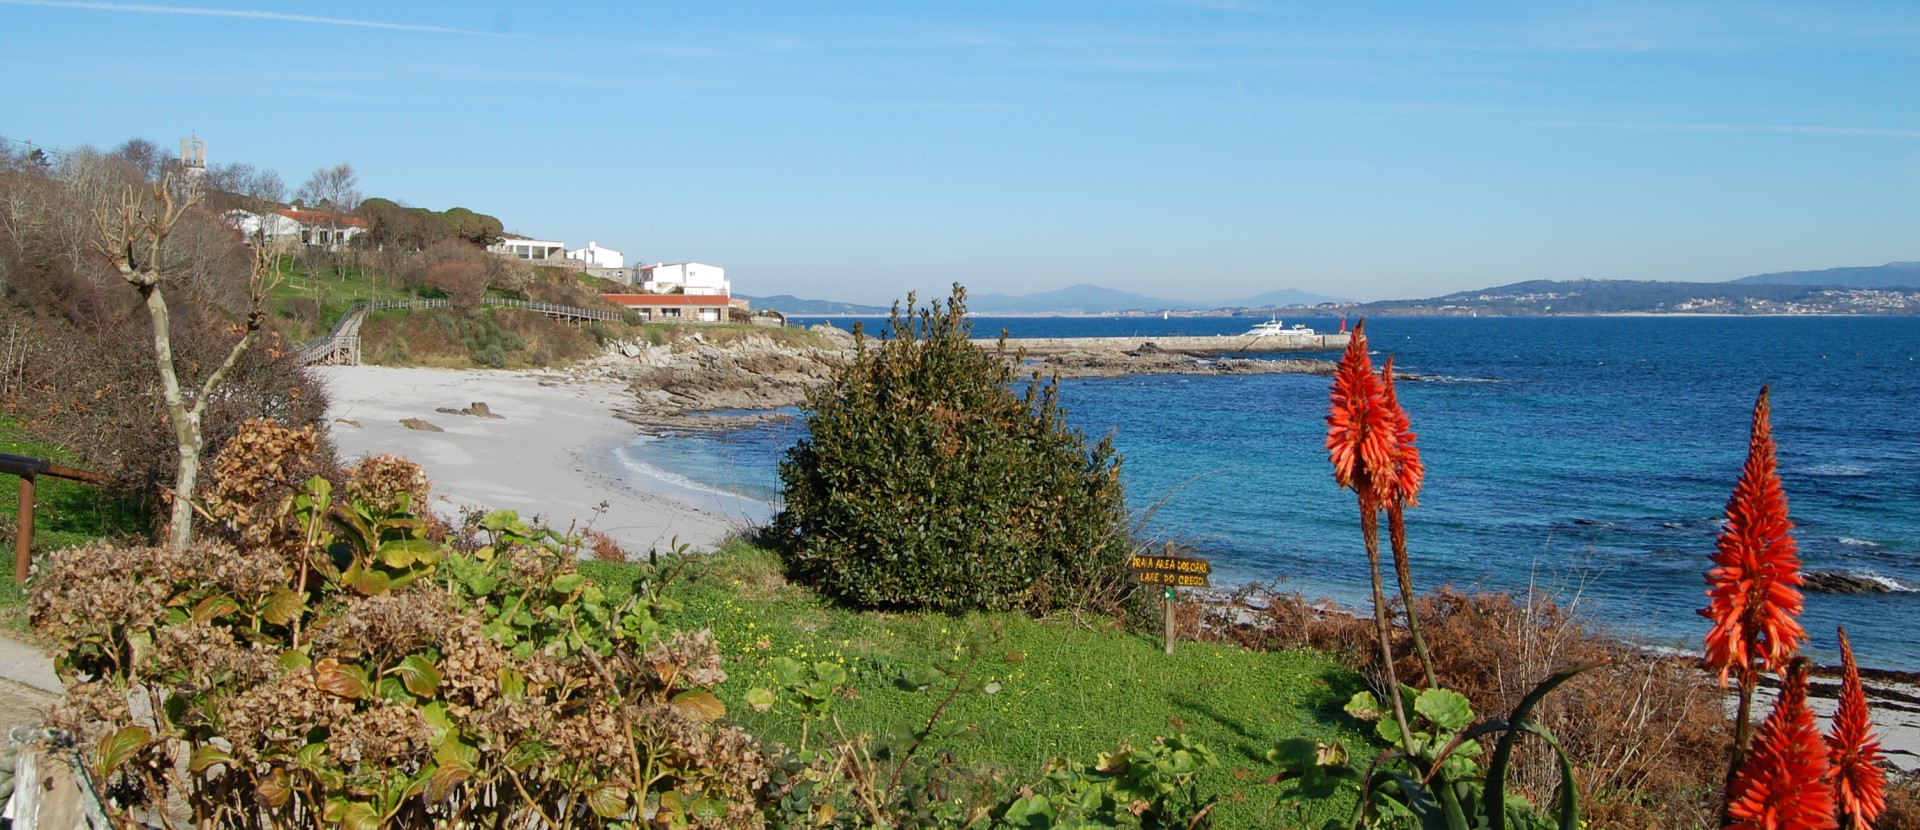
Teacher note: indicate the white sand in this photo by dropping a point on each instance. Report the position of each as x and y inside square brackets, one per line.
[549, 455]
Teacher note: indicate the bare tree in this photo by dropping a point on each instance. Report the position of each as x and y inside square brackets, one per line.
[336, 189]
[145, 157]
[236, 186]
[132, 234]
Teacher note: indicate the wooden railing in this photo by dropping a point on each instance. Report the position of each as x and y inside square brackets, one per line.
[30, 469]
[341, 345]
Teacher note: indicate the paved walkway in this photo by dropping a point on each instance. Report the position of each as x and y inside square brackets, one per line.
[28, 666]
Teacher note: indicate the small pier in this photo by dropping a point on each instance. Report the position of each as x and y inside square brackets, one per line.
[1219, 344]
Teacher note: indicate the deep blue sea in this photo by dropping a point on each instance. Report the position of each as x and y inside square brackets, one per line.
[1587, 456]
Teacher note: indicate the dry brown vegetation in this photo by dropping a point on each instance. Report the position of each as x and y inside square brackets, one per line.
[1649, 735]
[76, 360]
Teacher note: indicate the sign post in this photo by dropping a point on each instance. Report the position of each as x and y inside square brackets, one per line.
[1172, 573]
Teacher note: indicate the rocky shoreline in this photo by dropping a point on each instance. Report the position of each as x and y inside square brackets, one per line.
[702, 385]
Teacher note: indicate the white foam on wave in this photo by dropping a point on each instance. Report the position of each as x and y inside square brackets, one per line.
[1836, 470]
[1893, 585]
[1856, 543]
[1455, 379]
[628, 462]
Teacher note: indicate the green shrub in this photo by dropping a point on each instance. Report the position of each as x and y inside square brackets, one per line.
[344, 670]
[928, 482]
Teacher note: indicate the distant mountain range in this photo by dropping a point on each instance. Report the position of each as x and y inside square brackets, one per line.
[789, 304]
[1893, 288]
[1872, 289]
[1890, 275]
[1078, 299]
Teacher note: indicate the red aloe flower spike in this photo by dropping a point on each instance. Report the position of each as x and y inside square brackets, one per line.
[1360, 429]
[1360, 442]
[1782, 785]
[1859, 781]
[1408, 472]
[1754, 585]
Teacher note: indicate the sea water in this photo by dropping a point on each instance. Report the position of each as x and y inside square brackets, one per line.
[1592, 457]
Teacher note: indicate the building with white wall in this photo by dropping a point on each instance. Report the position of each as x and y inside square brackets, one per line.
[288, 226]
[685, 278]
[513, 246]
[594, 256]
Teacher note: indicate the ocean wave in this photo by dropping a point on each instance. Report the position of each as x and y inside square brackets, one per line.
[1454, 379]
[1893, 585]
[639, 467]
[1856, 543]
[1836, 470]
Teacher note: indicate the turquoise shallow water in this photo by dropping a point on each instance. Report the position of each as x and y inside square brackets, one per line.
[1594, 454]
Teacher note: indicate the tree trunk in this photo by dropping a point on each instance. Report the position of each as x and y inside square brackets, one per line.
[185, 420]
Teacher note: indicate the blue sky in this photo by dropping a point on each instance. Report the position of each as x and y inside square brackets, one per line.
[1203, 149]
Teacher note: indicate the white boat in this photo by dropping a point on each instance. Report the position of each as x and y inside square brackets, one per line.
[1275, 328]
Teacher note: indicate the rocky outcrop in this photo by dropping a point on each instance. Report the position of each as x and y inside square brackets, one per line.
[1840, 582]
[479, 409]
[680, 386]
[1149, 359]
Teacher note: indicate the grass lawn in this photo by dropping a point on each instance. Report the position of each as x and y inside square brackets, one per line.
[332, 293]
[1067, 689]
[66, 513]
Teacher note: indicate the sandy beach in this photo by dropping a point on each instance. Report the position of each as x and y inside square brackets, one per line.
[548, 454]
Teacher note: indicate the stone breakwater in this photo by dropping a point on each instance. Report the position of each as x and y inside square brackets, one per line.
[1219, 344]
[680, 386]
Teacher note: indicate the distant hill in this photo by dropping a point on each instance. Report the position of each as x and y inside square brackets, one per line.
[1890, 275]
[1277, 299]
[1081, 299]
[1549, 297]
[789, 304]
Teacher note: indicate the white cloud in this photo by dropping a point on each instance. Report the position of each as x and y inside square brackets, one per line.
[246, 14]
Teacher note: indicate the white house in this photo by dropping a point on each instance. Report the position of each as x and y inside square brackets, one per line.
[685, 278]
[513, 246]
[287, 226]
[594, 256]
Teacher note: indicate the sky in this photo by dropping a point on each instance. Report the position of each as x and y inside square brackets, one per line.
[1187, 149]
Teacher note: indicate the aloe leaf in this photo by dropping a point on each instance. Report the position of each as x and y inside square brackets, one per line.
[1503, 753]
[1569, 794]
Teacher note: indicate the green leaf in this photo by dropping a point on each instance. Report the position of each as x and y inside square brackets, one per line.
[116, 748]
[359, 815]
[1364, 706]
[761, 700]
[708, 809]
[403, 553]
[1446, 709]
[513, 685]
[919, 678]
[699, 705]
[500, 520]
[344, 679]
[372, 583]
[294, 658]
[1032, 812]
[789, 671]
[566, 584]
[481, 584]
[438, 720]
[609, 801]
[283, 607]
[206, 755]
[420, 675]
[214, 607]
[1294, 754]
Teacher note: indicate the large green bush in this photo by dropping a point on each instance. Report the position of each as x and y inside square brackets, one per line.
[927, 481]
